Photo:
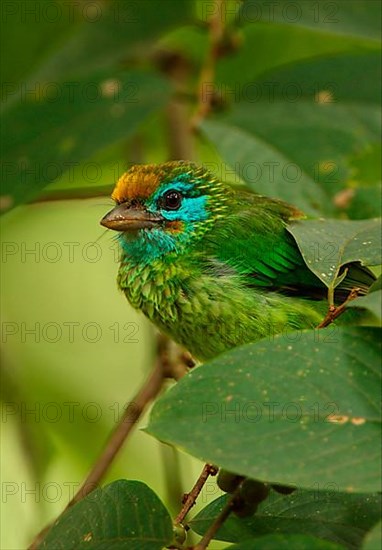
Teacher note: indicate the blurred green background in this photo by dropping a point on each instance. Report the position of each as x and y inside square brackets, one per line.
[89, 88]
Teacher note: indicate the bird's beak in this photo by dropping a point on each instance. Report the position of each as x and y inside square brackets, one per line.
[126, 218]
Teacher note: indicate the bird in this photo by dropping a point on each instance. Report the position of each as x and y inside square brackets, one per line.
[213, 266]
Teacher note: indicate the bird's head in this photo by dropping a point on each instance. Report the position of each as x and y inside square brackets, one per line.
[164, 208]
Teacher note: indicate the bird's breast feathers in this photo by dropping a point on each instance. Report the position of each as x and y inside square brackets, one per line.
[208, 310]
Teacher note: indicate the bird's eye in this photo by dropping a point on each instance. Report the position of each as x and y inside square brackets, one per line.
[172, 200]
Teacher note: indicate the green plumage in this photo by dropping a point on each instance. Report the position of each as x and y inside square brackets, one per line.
[218, 271]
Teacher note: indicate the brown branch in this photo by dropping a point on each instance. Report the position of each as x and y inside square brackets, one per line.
[207, 75]
[190, 498]
[180, 139]
[130, 417]
[336, 311]
[217, 523]
[74, 194]
[133, 411]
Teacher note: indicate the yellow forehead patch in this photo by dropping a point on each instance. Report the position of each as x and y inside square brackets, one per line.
[137, 183]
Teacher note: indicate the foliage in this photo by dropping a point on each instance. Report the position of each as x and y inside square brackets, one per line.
[283, 410]
[338, 517]
[99, 521]
[288, 103]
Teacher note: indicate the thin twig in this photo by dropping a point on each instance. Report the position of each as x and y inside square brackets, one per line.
[217, 523]
[190, 498]
[133, 411]
[336, 311]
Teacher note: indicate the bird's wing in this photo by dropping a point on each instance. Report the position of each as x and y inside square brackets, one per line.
[253, 241]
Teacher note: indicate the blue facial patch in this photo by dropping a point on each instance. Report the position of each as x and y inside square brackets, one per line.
[151, 244]
[192, 209]
[177, 184]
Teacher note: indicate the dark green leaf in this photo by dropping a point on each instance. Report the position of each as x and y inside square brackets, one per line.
[301, 124]
[278, 542]
[326, 245]
[103, 35]
[32, 34]
[266, 47]
[262, 166]
[341, 518]
[44, 139]
[125, 515]
[348, 17]
[301, 409]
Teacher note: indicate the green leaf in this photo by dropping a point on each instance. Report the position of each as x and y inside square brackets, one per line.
[57, 114]
[125, 515]
[372, 302]
[341, 518]
[278, 542]
[342, 17]
[264, 47]
[364, 165]
[299, 125]
[94, 37]
[45, 139]
[327, 245]
[373, 540]
[31, 37]
[261, 165]
[300, 409]
[364, 202]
